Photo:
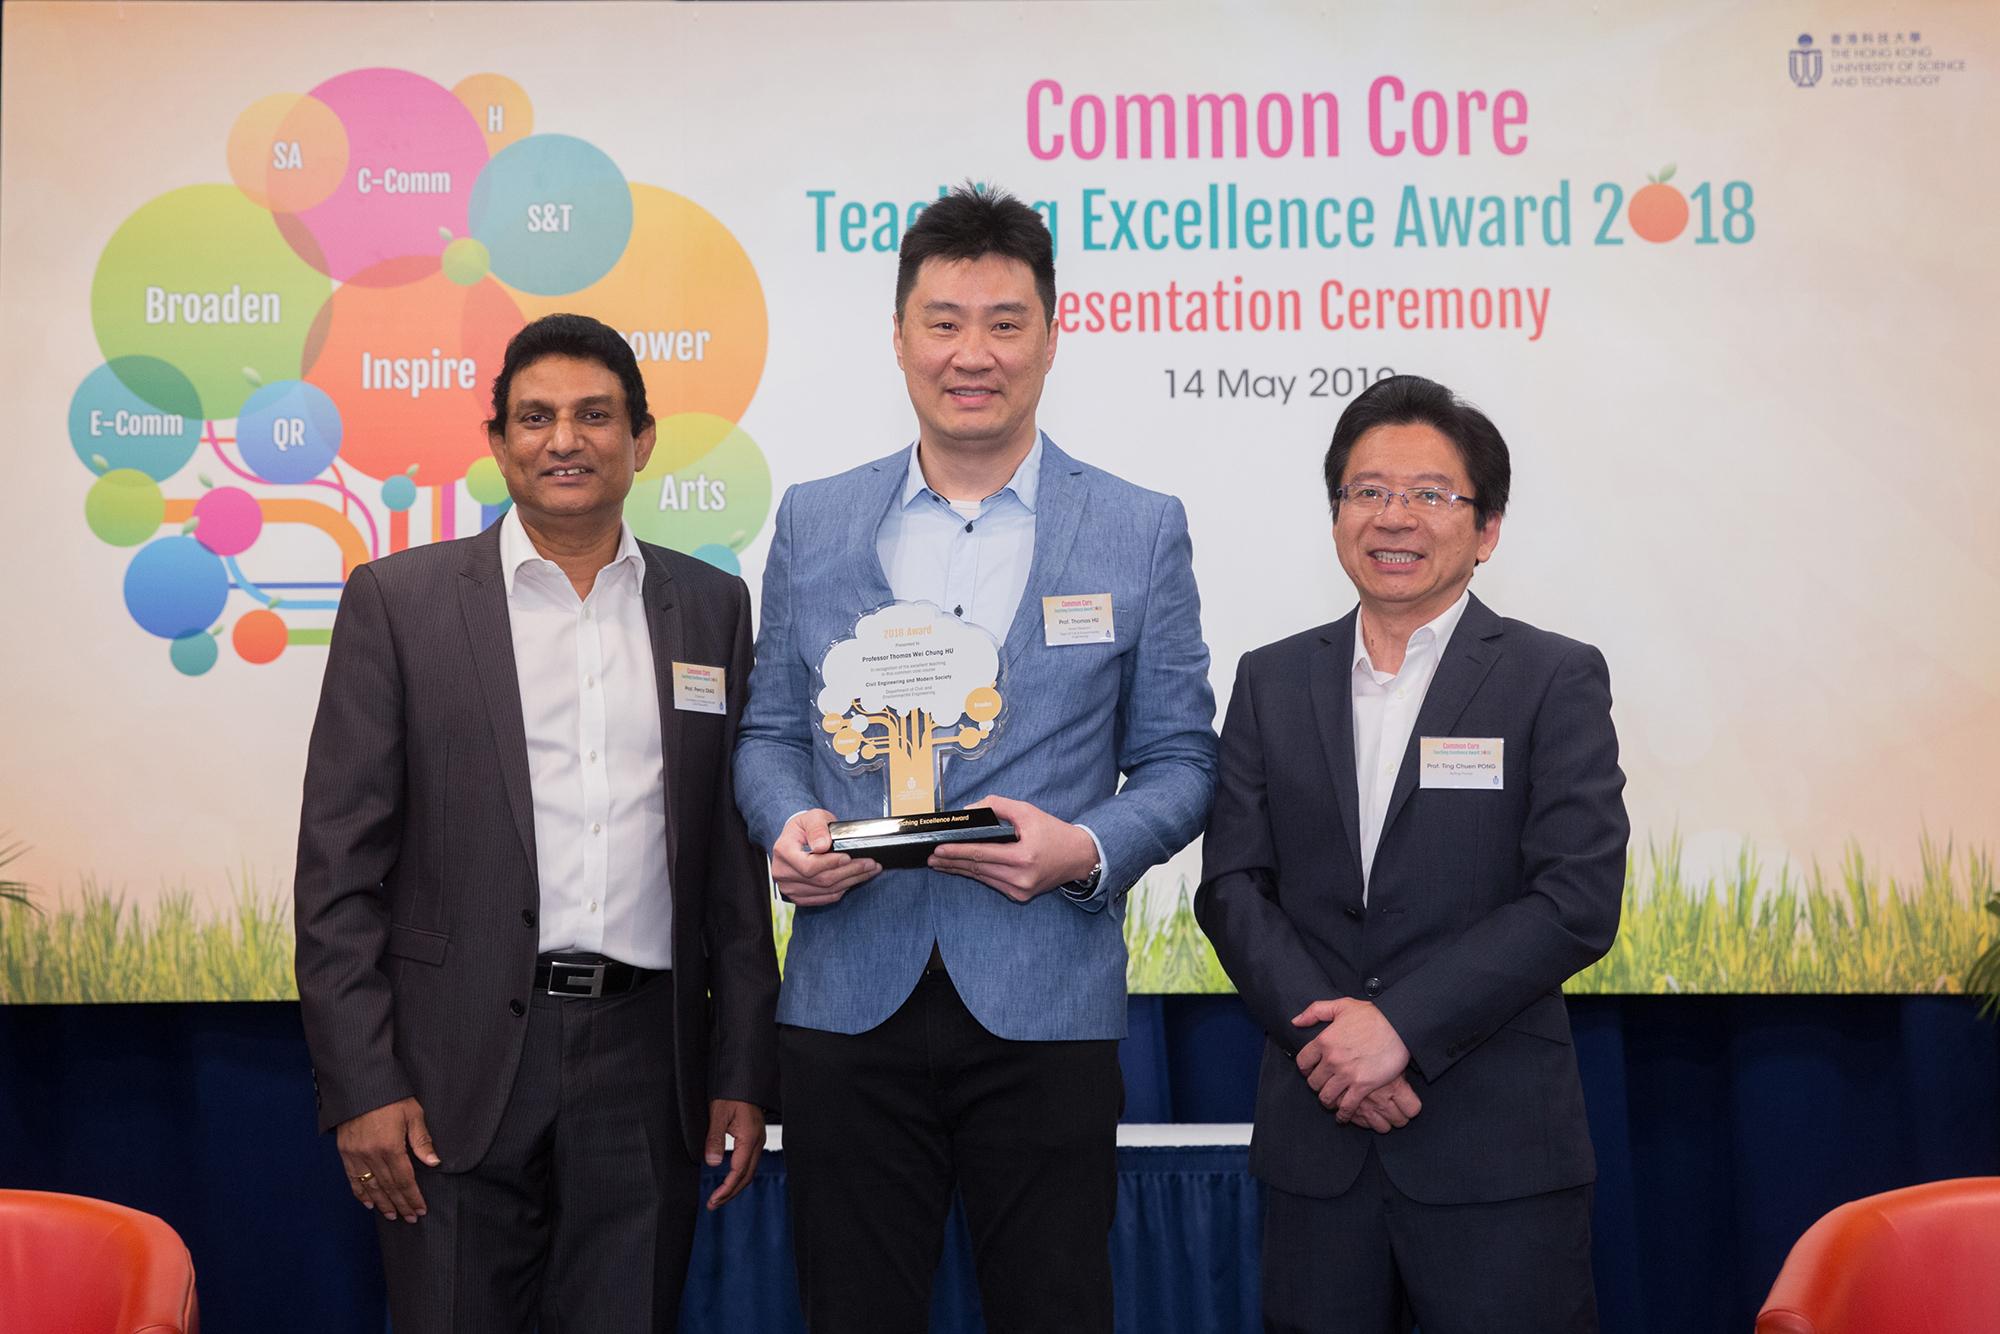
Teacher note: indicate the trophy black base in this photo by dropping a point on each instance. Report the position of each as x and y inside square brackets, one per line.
[907, 840]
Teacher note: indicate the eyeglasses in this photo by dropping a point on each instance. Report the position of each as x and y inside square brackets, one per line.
[1370, 499]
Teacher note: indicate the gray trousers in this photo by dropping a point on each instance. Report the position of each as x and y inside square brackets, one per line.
[580, 1217]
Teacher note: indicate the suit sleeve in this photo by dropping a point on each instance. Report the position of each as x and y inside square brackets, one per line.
[774, 756]
[350, 833]
[743, 1047]
[1166, 716]
[1237, 903]
[1572, 882]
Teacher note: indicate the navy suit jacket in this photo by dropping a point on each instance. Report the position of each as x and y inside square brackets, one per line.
[1480, 904]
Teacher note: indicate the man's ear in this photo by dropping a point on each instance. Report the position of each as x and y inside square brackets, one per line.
[643, 442]
[1489, 538]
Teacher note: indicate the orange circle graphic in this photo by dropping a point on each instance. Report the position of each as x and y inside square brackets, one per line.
[288, 152]
[259, 636]
[411, 369]
[499, 105]
[1657, 212]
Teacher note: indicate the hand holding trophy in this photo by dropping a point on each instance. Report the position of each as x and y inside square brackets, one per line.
[911, 686]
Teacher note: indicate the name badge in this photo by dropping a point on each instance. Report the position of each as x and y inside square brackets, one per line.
[1471, 762]
[699, 689]
[1083, 618]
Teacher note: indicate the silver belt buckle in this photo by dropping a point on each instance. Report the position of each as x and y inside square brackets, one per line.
[575, 979]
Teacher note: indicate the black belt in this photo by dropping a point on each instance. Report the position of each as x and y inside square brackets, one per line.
[588, 975]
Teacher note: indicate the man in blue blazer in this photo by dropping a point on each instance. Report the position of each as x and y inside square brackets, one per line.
[1418, 835]
[956, 1024]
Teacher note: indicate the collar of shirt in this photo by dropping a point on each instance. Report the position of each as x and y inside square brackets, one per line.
[1432, 635]
[1026, 483]
[518, 549]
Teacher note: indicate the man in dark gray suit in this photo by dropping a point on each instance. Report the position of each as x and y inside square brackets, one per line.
[534, 943]
[1418, 835]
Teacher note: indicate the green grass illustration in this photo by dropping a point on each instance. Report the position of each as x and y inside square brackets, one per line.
[1862, 930]
[95, 947]
[1857, 929]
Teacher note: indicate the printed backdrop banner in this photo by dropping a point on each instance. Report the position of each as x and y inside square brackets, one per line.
[1715, 271]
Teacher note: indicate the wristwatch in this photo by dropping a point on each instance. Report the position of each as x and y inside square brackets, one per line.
[1076, 891]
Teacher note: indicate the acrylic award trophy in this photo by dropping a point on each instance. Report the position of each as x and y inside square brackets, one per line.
[913, 685]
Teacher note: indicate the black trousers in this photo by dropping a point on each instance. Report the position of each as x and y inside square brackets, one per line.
[1370, 1259]
[880, 1125]
[580, 1217]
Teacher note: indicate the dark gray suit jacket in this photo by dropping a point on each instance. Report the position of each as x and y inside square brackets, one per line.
[417, 892]
[1480, 904]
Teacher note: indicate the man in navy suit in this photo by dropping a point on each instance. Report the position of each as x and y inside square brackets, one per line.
[957, 1024]
[1405, 950]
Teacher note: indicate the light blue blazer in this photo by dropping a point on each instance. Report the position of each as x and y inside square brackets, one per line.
[1076, 718]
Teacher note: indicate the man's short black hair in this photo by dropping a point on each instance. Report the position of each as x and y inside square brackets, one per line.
[1401, 400]
[576, 336]
[972, 222]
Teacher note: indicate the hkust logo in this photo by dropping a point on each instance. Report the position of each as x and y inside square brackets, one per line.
[1807, 64]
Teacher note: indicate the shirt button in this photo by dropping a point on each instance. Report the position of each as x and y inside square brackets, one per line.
[589, 680]
[586, 613]
[593, 905]
[516, 1009]
[528, 916]
[1402, 692]
[596, 828]
[1388, 769]
[968, 526]
[593, 757]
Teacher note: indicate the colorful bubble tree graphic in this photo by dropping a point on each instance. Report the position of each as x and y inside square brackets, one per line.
[321, 336]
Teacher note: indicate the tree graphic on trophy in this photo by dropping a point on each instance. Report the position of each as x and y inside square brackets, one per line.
[912, 685]
[911, 741]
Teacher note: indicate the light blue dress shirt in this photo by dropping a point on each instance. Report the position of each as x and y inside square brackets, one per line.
[971, 559]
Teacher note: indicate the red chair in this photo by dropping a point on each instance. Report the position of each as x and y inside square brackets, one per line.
[69, 1265]
[1921, 1260]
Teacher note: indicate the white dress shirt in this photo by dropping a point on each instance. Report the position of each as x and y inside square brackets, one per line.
[591, 706]
[1385, 713]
